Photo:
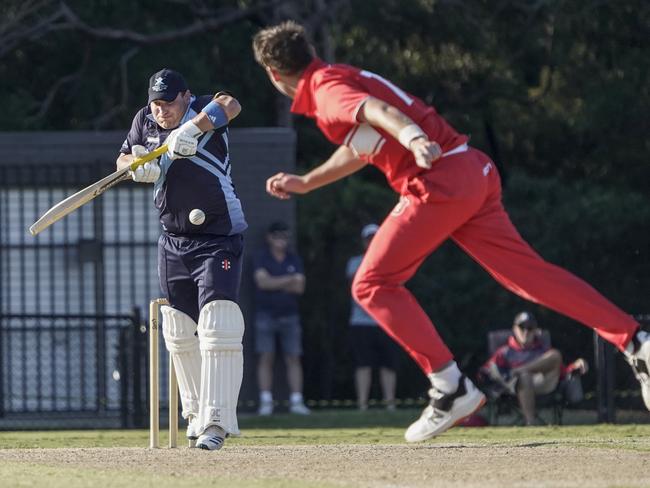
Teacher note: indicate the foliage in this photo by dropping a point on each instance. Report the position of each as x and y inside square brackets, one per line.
[556, 91]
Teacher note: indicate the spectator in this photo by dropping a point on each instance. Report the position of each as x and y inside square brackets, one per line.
[372, 347]
[279, 279]
[526, 367]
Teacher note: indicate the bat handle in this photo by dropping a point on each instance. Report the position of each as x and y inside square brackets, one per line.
[148, 157]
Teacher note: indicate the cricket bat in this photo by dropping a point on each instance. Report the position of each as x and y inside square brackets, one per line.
[73, 202]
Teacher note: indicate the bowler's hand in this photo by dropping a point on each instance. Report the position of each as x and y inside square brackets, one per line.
[281, 185]
[425, 152]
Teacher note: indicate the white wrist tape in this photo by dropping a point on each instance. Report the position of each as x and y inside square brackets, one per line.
[408, 133]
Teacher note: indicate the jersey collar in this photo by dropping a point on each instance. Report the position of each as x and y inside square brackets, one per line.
[303, 101]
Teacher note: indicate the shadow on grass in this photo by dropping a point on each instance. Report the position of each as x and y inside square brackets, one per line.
[338, 419]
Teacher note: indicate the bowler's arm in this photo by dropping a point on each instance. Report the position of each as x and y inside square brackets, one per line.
[343, 162]
[389, 118]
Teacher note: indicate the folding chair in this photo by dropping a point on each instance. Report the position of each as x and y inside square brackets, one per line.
[501, 402]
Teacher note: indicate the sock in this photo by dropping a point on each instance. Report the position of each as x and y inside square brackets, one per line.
[266, 396]
[296, 398]
[634, 345]
[446, 380]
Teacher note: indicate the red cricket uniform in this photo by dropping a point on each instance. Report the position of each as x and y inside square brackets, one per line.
[458, 198]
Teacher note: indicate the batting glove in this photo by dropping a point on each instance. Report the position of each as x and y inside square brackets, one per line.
[182, 142]
[149, 172]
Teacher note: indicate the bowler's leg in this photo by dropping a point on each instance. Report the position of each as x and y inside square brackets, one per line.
[437, 205]
[492, 240]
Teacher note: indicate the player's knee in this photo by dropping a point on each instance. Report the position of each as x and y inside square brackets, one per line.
[221, 326]
[525, 381]
[555, 356]
[178, 330]
[362, 288]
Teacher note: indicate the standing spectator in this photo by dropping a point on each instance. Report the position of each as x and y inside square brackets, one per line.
[371, 346]
[280, 280]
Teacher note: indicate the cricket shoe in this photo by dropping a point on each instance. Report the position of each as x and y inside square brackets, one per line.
[192, 430]
[445, 410]
[212, 438]
[640, 362]
[299, 408]
[265, 409]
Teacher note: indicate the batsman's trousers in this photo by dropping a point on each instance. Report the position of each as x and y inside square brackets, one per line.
[195, 270]
[460, 198]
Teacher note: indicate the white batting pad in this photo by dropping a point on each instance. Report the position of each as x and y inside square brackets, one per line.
[182, 343]
[221, 330]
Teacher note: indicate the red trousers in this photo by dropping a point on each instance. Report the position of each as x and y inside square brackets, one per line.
[460, 198]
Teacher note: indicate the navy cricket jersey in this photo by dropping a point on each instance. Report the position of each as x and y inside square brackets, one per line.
[277, 303]
[199, 182]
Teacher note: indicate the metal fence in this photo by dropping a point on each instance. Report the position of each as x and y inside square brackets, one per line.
[67, 295]
[59, 363]
[100, 261]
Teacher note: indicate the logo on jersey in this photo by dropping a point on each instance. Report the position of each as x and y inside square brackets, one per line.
[487, 168]
[159, 85]
[225, 264]
[401, 206]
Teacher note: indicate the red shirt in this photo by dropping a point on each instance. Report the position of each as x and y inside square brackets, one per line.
[513, 354]
[332, 95]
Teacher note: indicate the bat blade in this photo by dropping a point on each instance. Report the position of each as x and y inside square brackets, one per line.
[73, 202]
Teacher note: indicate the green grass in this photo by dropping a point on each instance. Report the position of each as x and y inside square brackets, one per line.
[22, 475]
[321, 428]
[346, 427]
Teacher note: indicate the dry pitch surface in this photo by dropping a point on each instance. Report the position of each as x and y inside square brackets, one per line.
[440, 465]
[586, 456]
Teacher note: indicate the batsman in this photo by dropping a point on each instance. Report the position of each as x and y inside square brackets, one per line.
[200, 248]
[449, 190]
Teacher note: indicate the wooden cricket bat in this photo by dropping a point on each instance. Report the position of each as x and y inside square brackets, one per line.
[73, 202]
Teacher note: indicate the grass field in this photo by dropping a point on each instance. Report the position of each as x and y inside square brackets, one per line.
[335, 449]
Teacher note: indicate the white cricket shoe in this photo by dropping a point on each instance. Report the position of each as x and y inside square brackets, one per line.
[445, 410]
[640, 362]
[192, 430]
[212, 438]
[299, 409]
[265, 409]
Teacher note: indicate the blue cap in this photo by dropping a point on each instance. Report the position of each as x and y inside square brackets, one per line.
[165, 85]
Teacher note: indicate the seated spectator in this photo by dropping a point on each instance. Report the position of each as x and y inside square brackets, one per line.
[526, 367]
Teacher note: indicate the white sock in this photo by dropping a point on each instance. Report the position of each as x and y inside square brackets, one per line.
[446, 380]
[296, 397]
[641, 337]
[266, 396]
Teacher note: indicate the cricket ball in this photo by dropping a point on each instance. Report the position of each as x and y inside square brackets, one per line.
[197, 216]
